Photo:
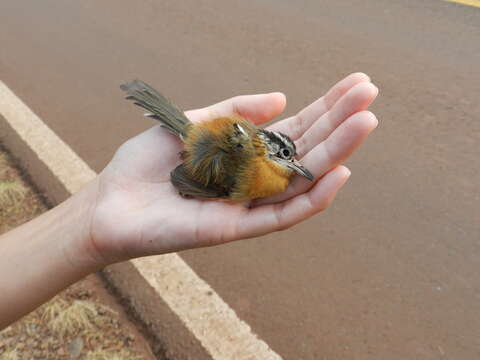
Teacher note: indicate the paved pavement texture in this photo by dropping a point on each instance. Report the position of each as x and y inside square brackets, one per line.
[391, 271]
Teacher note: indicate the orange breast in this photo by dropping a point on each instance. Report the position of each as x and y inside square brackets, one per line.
[262, 178]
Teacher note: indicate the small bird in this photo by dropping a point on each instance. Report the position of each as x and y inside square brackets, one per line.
[224, 158]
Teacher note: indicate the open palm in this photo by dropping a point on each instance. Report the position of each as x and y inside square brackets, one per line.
[138, 212]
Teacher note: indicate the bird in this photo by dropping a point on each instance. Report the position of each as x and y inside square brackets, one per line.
[227, 157]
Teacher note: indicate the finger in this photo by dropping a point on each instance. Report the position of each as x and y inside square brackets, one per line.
[358, 98]
[267, 218]
[258, 108]
[328, 154]
[296, 125]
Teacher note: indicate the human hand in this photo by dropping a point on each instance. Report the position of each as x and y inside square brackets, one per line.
[138, 212]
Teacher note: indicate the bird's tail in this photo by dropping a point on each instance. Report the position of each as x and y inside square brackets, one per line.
[158, 106]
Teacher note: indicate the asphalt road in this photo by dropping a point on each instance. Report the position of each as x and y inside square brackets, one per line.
[391, 271]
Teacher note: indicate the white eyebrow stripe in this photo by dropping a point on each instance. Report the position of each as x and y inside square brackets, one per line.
[283, 138]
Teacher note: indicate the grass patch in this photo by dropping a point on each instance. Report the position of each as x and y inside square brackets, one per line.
[18, 203]
[11, 193]
[79, 316]
[10, 355]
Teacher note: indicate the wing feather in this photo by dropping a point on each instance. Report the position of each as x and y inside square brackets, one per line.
[186, 186]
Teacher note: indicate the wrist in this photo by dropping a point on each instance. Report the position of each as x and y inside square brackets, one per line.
[77, 213]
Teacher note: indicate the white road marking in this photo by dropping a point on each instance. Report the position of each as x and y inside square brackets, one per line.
[202, 310]
[473, 3]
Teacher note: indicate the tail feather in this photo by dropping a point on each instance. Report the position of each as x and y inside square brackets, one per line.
[159, 106]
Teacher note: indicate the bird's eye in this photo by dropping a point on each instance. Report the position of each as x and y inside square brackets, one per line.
[286, 153]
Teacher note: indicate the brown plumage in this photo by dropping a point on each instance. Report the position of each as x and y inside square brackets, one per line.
[226, 157]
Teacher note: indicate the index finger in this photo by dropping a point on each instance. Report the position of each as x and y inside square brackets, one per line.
[296, 125]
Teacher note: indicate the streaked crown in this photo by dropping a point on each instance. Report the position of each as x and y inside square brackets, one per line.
[278, 144]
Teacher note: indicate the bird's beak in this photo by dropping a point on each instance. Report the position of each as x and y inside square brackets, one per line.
[297, 167]
[301, 170]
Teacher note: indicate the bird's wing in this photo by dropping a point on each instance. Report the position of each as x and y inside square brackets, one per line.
[186, 186]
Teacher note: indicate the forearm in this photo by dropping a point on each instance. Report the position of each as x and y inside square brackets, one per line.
[44, 256]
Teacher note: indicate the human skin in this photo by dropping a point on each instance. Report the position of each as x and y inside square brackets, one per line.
[132, 210]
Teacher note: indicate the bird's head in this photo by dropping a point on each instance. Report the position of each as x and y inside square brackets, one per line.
[282, 150]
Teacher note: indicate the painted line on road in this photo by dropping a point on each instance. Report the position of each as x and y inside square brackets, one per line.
[215, 325]
[474, 3]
